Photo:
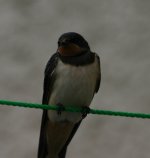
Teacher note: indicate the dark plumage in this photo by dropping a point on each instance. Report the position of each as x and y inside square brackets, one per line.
[72, 37]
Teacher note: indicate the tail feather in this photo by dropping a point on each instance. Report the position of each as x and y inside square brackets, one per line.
[62, 153]
[42, 149]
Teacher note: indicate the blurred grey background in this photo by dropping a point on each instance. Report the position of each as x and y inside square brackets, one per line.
[119, 31]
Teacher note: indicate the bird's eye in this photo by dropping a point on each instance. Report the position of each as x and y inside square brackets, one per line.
[58, 43]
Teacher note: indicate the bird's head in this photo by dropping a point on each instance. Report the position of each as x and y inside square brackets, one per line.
[72, 44]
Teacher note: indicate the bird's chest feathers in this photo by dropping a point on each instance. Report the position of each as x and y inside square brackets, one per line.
[74, 84]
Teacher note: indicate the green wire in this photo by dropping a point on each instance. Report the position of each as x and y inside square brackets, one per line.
[75, 109]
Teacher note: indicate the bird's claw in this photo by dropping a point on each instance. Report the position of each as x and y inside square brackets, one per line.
[85, 110]
[60, 108]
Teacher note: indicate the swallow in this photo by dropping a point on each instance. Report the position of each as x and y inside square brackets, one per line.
[72, 77]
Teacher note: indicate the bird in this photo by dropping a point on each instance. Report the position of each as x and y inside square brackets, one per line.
[72, 77]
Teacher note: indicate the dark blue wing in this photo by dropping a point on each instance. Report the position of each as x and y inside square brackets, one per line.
[47, 89]
[99, 75]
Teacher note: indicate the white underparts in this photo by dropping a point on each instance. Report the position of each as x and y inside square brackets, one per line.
[74, 86]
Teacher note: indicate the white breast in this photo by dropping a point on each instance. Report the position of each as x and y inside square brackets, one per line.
[74, 86]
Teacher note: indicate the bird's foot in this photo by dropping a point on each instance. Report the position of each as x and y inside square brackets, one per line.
[85, 110]
[60, 108]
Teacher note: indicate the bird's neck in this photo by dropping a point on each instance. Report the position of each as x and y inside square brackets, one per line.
[81, 59]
